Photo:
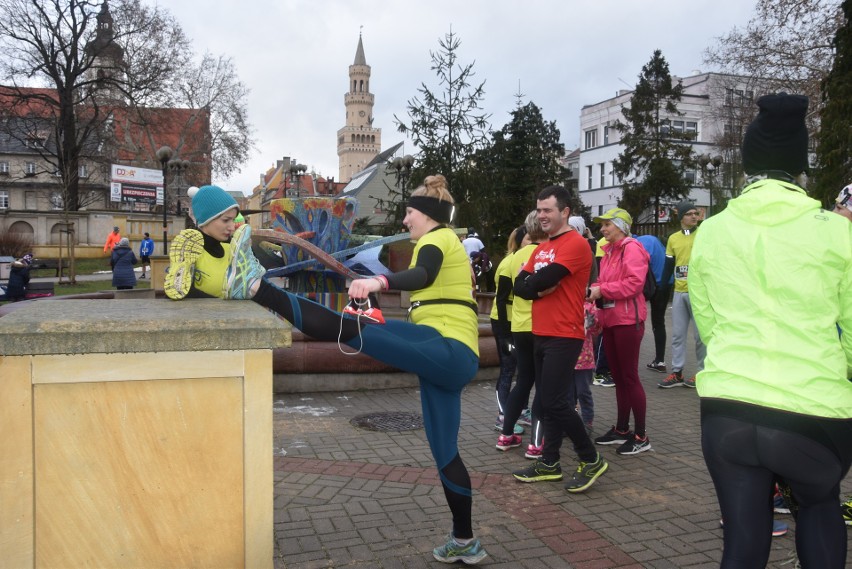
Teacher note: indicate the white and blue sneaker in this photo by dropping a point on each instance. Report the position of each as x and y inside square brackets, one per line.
[453, 551]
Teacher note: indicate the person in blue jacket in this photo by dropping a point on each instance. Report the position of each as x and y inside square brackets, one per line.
[146, 249]
[659, 301]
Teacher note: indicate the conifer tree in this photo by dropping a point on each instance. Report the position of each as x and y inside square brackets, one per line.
[652, 164]
[834, 152]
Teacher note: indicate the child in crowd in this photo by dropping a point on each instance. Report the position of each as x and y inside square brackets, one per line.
[585, 369]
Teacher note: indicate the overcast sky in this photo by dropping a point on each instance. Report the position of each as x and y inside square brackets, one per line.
[294, 56]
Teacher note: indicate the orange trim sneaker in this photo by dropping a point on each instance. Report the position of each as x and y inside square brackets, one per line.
[673, 380]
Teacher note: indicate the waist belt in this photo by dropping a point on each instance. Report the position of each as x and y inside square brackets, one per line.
[418, 303]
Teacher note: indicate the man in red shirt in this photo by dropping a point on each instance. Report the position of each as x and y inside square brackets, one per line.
[555, 279]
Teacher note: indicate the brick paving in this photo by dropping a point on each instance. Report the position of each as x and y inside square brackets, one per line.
[347, 497]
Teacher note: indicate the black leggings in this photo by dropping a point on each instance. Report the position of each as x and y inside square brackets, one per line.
[744, 460]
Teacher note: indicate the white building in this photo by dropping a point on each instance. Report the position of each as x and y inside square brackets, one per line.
[714, 109]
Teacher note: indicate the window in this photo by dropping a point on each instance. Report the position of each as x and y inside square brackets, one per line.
[4, 199]
[83, 171]
[4, 168]
[30, 168]
[591, 138]
[738, 97]
[606, 135]
[589, 176]
[602, 166]
[689, 176]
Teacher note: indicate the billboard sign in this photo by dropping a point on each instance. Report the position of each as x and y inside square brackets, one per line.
[131, 184]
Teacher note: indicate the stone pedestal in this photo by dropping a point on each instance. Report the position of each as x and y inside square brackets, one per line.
[137, 433]
[159, 264]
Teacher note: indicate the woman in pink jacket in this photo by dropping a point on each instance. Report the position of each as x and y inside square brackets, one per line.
[622, 312]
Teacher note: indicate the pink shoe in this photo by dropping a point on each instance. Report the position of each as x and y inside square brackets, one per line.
[504, 442]
[533, 452]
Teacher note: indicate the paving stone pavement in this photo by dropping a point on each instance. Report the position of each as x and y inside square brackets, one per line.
[349, 497]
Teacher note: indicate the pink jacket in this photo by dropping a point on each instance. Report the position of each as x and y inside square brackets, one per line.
[622, 277]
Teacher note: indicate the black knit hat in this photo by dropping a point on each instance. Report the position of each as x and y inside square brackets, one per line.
[777, 138]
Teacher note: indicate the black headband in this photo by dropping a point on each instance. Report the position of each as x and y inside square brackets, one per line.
[438, 210]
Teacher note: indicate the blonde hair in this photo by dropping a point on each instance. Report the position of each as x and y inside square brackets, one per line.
[534, 229]
[511, 244]
[434, 187]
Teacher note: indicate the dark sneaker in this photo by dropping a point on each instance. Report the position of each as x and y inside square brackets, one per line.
[586, 475]
[657, 366]
[604, 380]
[243, 267]
[504, 442]
[846, 507]
[634, 445]
[539, 471]
[673, 380]
[689, 382]
[452, 551]
[614, 437]
[779, 506]
[498, 426]
[526, 418]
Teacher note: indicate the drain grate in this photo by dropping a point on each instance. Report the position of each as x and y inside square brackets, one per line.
[388, 421]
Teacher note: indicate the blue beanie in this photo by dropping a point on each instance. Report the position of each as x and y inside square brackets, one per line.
[209, 202]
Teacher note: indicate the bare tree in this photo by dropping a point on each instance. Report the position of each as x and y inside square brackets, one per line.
[787, 44]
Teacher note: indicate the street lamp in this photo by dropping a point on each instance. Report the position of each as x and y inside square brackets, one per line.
[296, 170]
[403, 167]
[709, 170]
[164, 154]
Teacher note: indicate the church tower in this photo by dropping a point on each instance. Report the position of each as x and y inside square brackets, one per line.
[358, 142]
[107, 69]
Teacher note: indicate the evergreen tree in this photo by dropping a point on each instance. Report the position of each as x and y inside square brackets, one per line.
[447, 124]
[524, 157]
[654, 158]
[834, 152]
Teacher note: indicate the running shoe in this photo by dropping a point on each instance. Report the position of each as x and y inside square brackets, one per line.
[634, 445]
[539, 471]
[243, 267]
[778, 528]
[187, 247]
[364, 310]
[526, 418]
[689, 382]
[604, 380]
[586, 475]
[779, 504]
[673, 380]
[614, 437]
[498, 426]
[453, 551]
[504, 442]
[657, 366]
[533, 452]
[846, 507]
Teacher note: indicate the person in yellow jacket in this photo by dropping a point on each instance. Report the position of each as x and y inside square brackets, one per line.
[770, 280]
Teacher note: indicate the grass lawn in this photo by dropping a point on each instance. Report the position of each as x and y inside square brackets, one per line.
[92, 286]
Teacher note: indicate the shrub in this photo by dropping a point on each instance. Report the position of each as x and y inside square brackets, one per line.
[15, 244]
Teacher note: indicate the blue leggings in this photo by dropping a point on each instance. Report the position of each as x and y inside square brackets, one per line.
[444, 367]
